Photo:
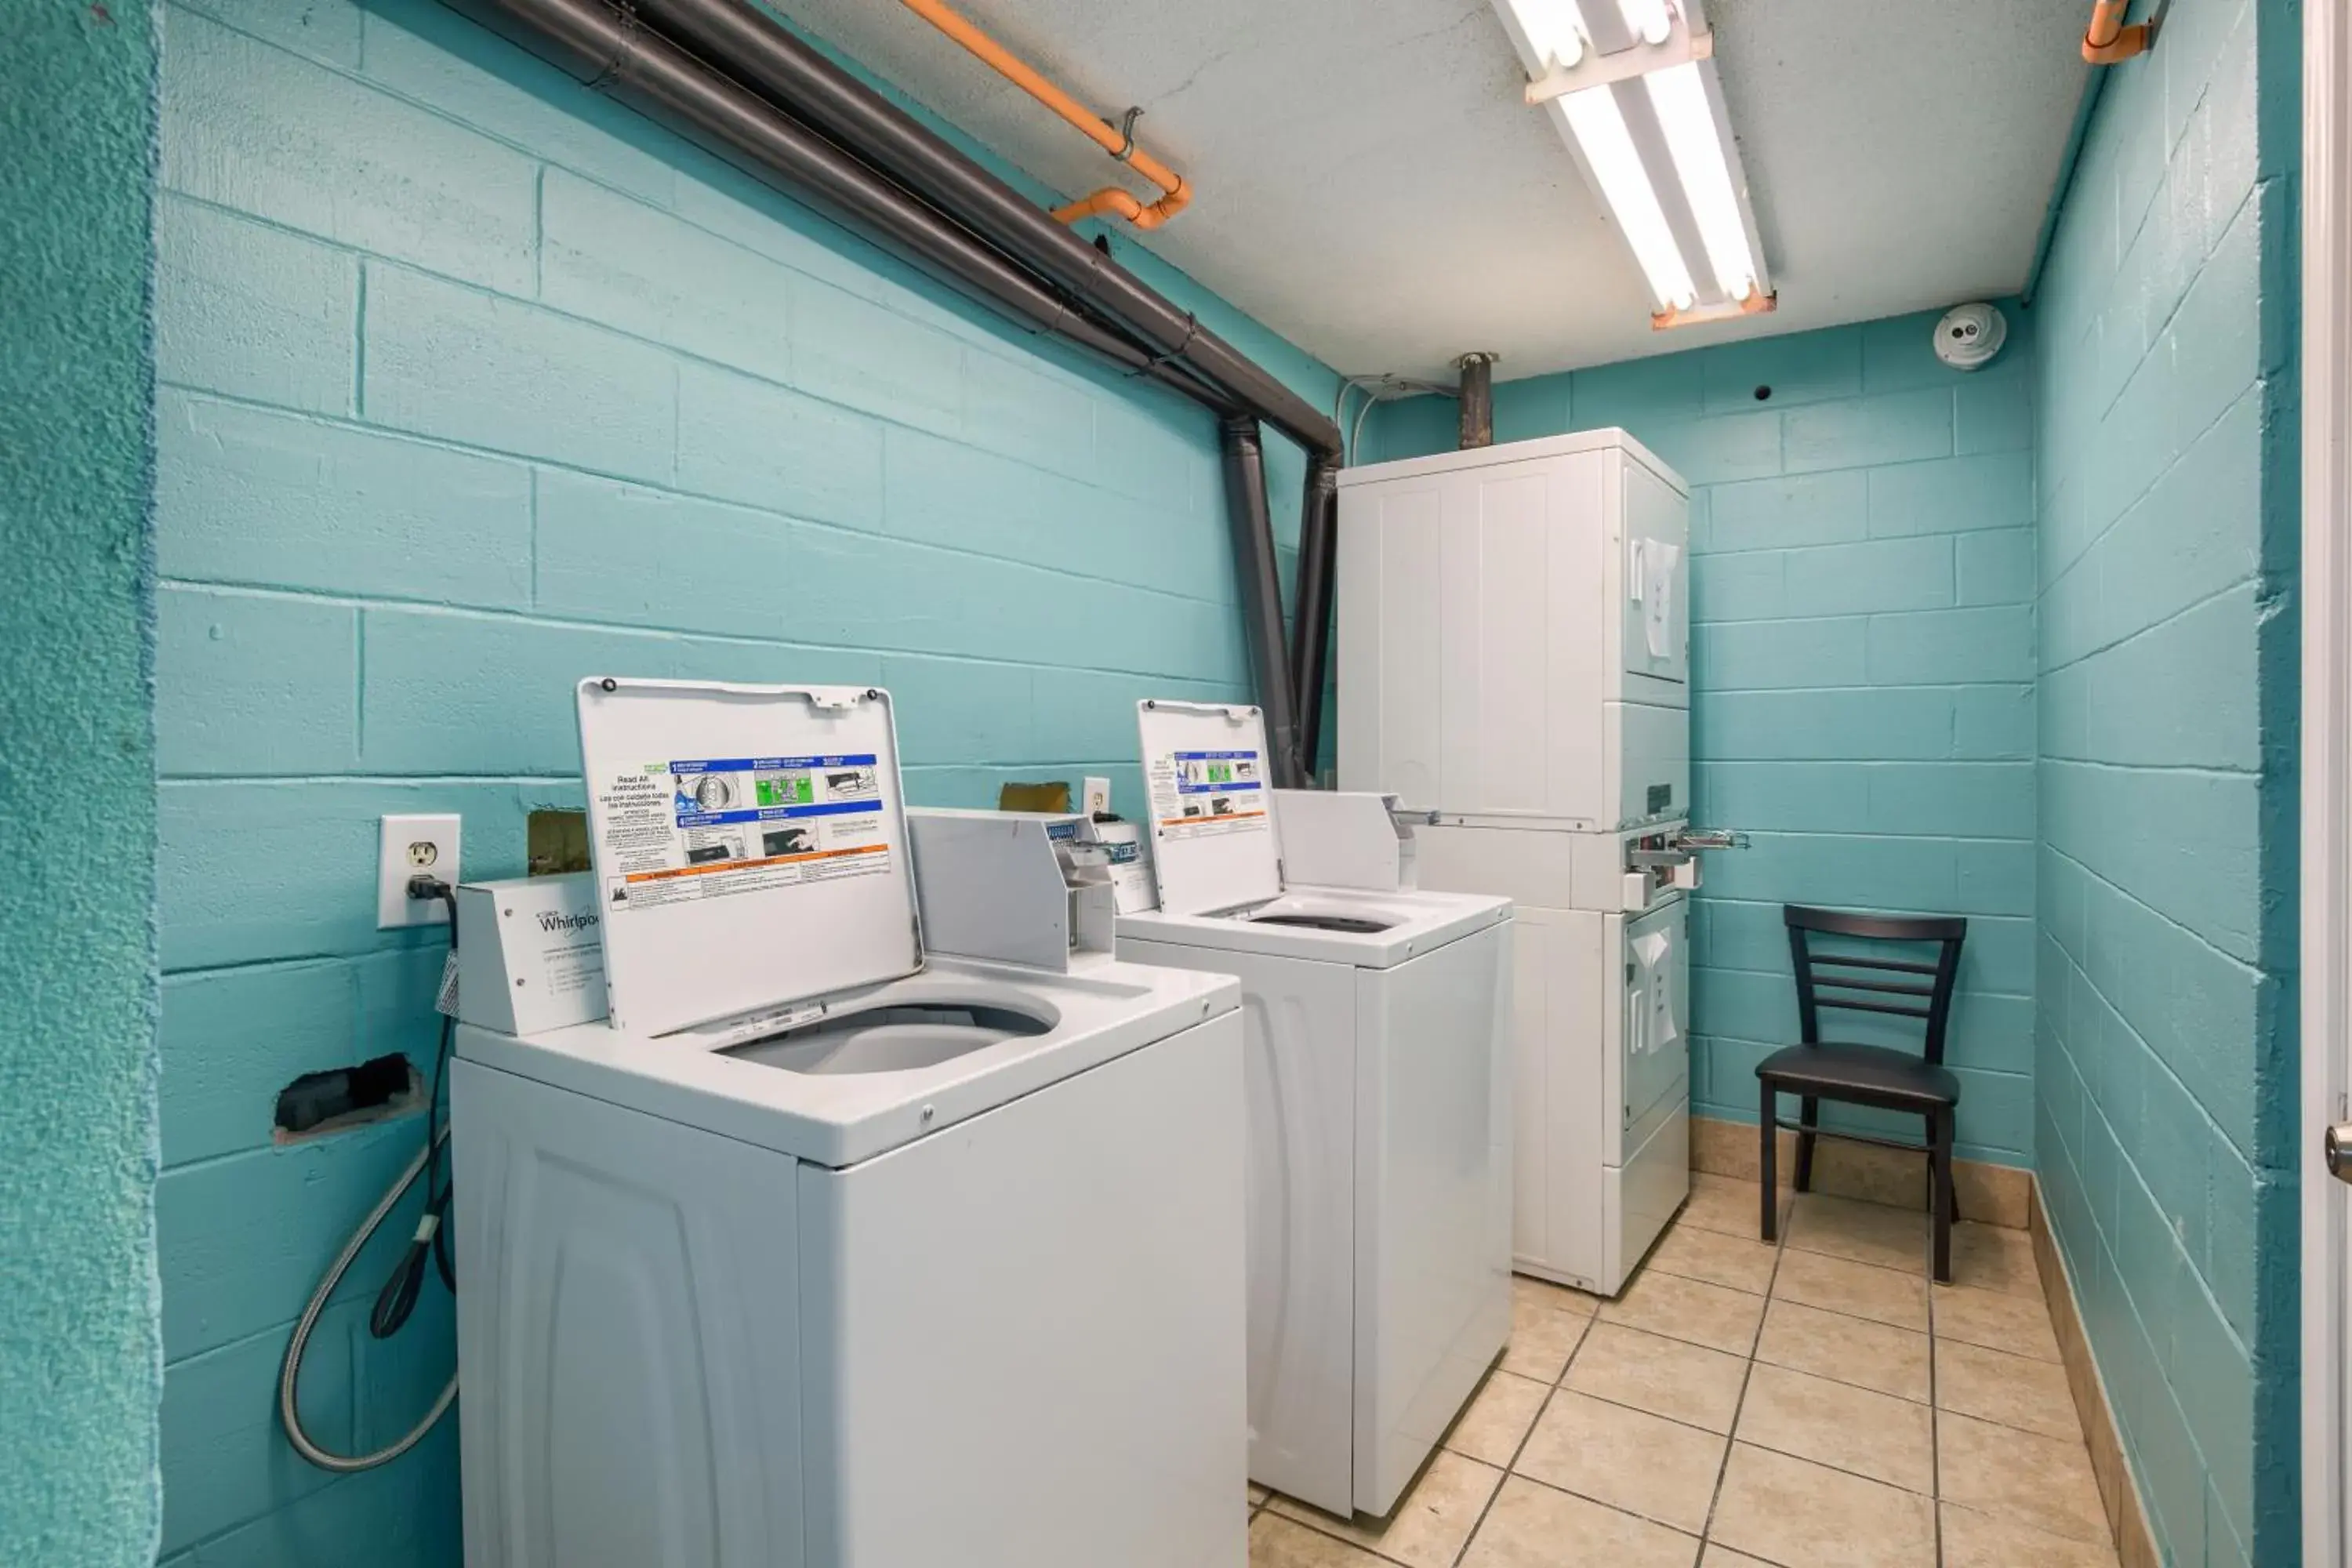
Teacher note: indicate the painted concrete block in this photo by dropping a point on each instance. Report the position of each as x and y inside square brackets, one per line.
[1898, 354]
[396, 1517]
[249, 127]
[1807, 367]
[222, 1447]
[243, 1240]
[1992, 723]
[1996, 567]
[1753, 656]
[1969, 800]
[1952, 495]
[624, 555]
[1537, 406]
[1878, 575]
[612, 259]
[1837, 725]
[327, 31]
[246, 495]
[1807, 508]
[1715, 450]
[254, 311]
[742, 439]
[1904, 427]
[2185, 844]
[1993, 411]
[2175, 695]
[1019, 407]
[848, 351]
[1635, 392]
[456, 694]
[960, 711]
[231, 1038]
[301, 859]
[2216, 337]
[426, 52]
[945, 493]
[447, 361]
[248, 684]
[1925, 647]
[1153, 445]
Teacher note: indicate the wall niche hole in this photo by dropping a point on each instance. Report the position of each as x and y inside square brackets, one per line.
[335, 1100]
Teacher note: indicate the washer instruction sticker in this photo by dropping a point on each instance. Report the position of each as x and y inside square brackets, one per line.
[706, 828]
[1207, 794]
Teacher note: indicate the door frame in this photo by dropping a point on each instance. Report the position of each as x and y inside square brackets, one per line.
[2326, 808]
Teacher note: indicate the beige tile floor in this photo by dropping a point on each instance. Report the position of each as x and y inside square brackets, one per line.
[1814, 1405]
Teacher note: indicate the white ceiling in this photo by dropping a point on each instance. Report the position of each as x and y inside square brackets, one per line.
[1370, 184]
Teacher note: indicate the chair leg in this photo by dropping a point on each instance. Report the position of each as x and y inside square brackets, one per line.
[1809, 1116]
[1769, 1131]
[1939, 1136]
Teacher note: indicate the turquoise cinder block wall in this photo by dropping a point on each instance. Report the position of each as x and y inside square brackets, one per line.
[473, 385]
[2166, 1070]
[78, 1339]
[1862, 665]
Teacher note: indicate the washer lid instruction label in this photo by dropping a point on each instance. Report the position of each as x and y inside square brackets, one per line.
[703, 828]
[1202, 794]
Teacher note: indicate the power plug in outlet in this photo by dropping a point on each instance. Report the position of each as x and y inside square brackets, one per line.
[413, 847]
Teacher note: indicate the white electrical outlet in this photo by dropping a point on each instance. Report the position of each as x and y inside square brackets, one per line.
[412, 847]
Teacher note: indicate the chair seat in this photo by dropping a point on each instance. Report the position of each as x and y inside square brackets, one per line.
[1894, 1080]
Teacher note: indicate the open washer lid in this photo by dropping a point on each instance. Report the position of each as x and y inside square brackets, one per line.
[1213, 835]
[750, 846]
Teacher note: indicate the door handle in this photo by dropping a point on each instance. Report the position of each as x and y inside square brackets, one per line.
[2336, 1146]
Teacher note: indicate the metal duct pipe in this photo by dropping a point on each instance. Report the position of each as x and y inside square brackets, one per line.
[795, 78]
[596, 45]
[1477, 395]
[1319, 561]
[1261, 579]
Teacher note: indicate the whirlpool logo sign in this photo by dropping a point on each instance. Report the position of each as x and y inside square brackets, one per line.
[552, 923]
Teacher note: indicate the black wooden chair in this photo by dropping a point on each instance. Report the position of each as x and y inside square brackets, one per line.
[1869, 1075]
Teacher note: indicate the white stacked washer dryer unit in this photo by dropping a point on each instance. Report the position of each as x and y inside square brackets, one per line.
[827, 1251]
[1378, 1059]
[1514, 660]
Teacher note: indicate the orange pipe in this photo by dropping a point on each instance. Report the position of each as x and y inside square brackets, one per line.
[2108, 40]
[1109, 138]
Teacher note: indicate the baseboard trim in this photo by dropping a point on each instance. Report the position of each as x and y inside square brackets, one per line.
[2126, 1515]
[1997, 1194]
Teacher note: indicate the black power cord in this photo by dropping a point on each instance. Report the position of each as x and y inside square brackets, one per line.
[397, 1299]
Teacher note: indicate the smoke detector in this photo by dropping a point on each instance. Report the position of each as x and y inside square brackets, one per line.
[1969, 336]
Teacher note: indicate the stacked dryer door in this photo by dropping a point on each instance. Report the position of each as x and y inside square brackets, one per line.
[1513, 648]
[1601, 1017]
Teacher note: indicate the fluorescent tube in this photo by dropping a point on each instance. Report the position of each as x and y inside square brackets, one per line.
[1555, 30]
[1609, 149]
[1679, 97]
[1647, 18]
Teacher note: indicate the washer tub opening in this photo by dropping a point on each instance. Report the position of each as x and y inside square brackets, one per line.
[1354, 925]
[895, 1037]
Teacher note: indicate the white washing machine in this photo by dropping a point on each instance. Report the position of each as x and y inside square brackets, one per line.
[1379, 1092]
[824, 1252]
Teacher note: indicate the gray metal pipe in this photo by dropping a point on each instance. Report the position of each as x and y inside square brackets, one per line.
[795, 78]
[1318, 559]
[588, 41]
[1261, 582]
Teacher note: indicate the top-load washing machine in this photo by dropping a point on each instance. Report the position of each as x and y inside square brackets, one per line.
[1378, 1091]
[826, 1251]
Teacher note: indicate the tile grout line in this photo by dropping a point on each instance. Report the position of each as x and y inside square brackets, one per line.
[1511, 1466]
[1934, 1416]
[1747, 1375]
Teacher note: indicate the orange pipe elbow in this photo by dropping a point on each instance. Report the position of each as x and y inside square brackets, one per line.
[2107, 40]
[1119, 144]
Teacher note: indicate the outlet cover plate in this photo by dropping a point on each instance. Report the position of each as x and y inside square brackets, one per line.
[410, 845]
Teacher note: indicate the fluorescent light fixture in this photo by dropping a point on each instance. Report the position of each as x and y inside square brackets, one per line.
[1609, 149]
[1647, 19]
[1639, 105]
[1555, 31]
[1679, 97]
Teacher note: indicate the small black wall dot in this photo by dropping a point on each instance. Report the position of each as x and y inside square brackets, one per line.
[1762, 393]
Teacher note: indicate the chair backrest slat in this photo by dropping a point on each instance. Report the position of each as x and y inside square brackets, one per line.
[1816, 972]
